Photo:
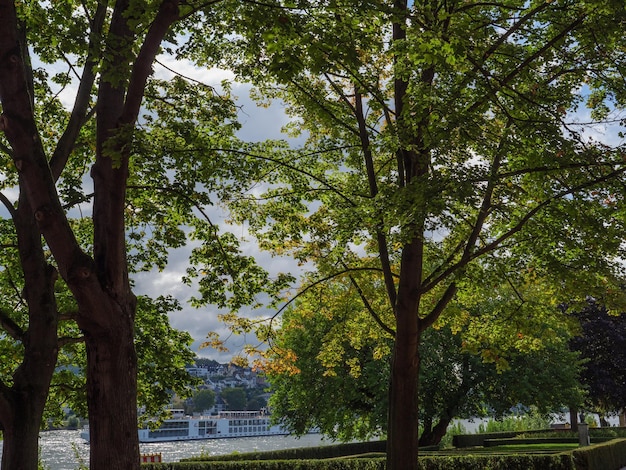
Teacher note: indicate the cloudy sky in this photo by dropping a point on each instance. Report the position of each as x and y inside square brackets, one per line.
[258, 123]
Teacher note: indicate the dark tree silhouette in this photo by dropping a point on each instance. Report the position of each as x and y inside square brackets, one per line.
[602, 343]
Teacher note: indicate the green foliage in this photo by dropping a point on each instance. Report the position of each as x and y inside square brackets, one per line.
[521, 422]
[299, 453]
[611, 454]
[439, 151]
[342, 464]
[596, 457]
[439, 157]
[235, 398]
[164, 352]
[203, 400]
[329, 345]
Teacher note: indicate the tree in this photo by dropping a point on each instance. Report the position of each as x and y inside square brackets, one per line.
[203, 400]
[235, 398]
[601, 342]
[50, 149]
[256, 403]
[329, 346]
[100, 283]
[439, 143]
[160, 370]
[24, 389]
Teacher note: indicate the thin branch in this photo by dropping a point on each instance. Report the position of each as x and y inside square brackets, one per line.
[324, 109]
[285, 164]
[79, 114]
[316, 283]
[8, 205]
[12, 328]
[368, 157]
[529, 60]
[518, 226]
[438, 309]
[186, 77]
[487, 198]
[370, 309]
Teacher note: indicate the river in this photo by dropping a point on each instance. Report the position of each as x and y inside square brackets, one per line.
[65, 450]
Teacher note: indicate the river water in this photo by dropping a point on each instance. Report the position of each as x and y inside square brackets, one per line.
[65, 450]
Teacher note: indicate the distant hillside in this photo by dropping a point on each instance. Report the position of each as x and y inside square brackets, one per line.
[204, 362]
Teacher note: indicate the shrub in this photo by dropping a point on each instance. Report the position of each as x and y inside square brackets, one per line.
[607, 456]
[321, 452]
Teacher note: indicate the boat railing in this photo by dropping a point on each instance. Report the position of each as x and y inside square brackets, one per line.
[241, 414]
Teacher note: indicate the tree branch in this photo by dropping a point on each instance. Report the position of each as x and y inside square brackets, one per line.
[519, 225]
[79, 113]
[369, 308]
[12, 328]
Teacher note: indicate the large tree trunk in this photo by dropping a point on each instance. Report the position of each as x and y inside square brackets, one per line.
[433, 436]
[20, 446]
[402, 444]
[112, 393]
[23, 403]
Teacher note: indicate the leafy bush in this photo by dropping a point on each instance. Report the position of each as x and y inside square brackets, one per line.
[610, 455]
[492, 462]
[499, 462]
[477, 440]
[321, 452]
[607, 432]
[518, 423]
[336, 464]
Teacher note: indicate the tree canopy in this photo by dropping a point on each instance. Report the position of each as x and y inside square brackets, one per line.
[329, 345]
[203, 400]
[601, 344]
[445, 146]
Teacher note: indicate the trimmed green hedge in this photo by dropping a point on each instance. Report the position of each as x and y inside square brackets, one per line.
[540, 440]
[607, 456]
[338, 464]
[478, 440]
[320, 452]
[498, 462]
[467, 462]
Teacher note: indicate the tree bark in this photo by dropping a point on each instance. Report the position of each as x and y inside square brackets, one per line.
[433, 436]
[573, 418]
[112, 391]
[402, 439]
[23, 403]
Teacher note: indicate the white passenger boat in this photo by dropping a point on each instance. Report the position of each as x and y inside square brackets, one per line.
[225, 425]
